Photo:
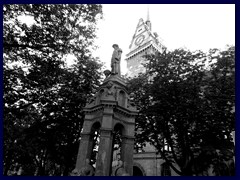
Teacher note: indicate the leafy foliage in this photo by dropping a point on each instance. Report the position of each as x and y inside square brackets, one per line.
[43, 97]
[188, 107]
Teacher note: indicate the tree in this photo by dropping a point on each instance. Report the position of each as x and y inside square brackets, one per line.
[44, 98]
[188, 107]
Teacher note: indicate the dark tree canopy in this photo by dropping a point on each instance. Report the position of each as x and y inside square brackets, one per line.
[43, 97]
[188, 107]
[183, 104]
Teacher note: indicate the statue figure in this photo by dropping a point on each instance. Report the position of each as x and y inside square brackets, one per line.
[75, 172]
[130, 103]
[111, 91]
[119, 170]
[87, 170]
[115, 61]
[92, 100]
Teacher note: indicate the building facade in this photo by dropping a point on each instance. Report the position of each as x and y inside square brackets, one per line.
[149, 163]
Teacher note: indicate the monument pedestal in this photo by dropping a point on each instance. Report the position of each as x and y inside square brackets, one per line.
[110, 106]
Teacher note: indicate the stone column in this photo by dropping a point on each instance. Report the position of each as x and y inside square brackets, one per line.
[86, 143]
[104, 159]
[127, 153]
[85, 150]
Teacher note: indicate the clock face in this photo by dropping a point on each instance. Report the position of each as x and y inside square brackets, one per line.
[139, 40]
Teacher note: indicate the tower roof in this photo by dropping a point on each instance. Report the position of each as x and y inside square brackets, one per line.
[143, 38]
[143, 42]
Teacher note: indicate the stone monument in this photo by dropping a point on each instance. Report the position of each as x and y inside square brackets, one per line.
[109, 107]
[116, 59]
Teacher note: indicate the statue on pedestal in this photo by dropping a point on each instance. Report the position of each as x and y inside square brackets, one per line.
[116, 59]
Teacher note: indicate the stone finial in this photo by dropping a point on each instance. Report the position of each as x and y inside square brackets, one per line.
[107, 73]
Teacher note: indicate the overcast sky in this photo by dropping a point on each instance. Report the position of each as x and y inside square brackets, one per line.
[178, 25]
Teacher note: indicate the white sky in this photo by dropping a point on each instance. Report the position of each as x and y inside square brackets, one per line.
[201, 26]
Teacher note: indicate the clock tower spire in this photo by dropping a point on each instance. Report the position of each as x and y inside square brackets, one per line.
[144, 41]
[148, 22]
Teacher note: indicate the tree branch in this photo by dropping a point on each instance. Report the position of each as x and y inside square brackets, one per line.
[16, 45]
[165, 158]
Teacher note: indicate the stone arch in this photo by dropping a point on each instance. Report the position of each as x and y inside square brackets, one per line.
[120, 126]
[95, 125]
[121, 98]
[100, 95]
[138, 170]
[116, 146]
[118, 131]
[94, 138]
[90, 126]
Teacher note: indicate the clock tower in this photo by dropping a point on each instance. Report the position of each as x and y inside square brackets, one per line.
[144, 41]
